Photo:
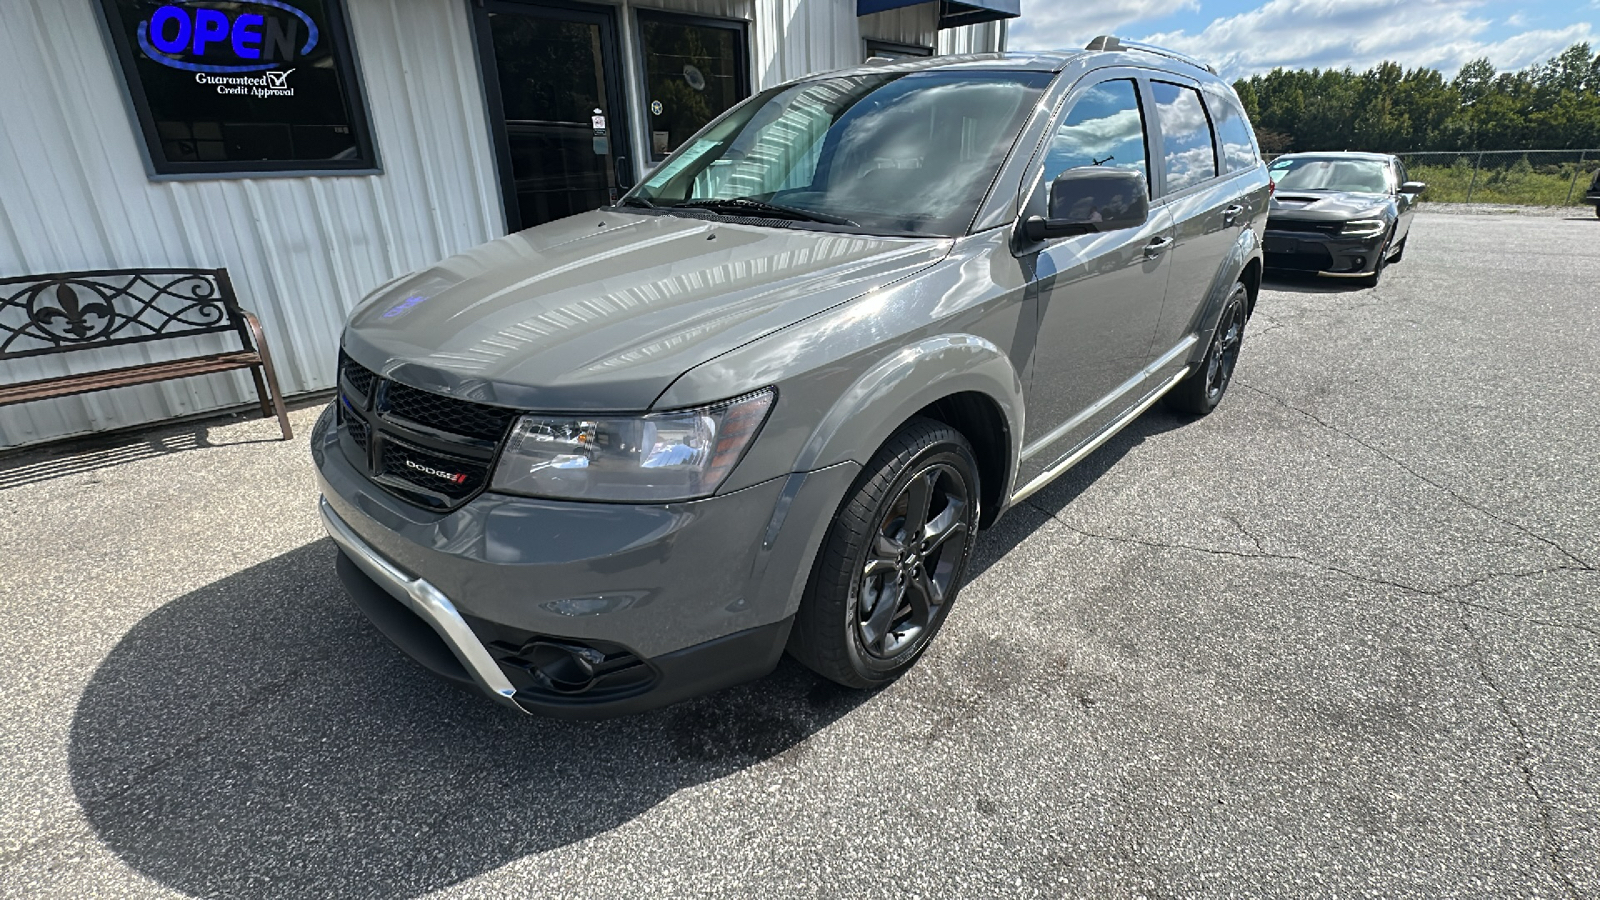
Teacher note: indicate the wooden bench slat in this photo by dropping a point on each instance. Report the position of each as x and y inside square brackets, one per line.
[128, 376]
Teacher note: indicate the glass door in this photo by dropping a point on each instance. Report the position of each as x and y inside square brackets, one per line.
[556, 108]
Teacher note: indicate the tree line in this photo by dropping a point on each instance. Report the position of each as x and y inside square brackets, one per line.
[1553, 105]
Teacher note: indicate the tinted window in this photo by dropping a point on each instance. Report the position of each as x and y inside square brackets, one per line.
[1104, 128]
[889, 152]
[693, 72]
[1191, 156]
[242, 86]
[1233, 131]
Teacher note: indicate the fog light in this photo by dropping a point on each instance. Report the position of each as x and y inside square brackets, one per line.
[569, 669]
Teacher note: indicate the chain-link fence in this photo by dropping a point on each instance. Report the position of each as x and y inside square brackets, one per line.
[1515, 177]
[1520, 177]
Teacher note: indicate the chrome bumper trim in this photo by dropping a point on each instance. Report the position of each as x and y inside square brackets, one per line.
[426, 601]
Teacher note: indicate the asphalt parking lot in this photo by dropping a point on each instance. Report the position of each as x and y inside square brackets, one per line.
[1339, 639]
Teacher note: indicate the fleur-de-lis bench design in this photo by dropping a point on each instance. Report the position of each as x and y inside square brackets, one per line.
[44, 315]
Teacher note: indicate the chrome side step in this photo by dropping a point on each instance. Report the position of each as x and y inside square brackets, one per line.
[1093, 444]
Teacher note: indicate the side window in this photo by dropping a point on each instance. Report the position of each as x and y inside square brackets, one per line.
[1190, 151]
[1233, 131]
[1104, 128]
[1400, 172]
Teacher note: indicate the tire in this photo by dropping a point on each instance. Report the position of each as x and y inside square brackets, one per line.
[1382, 263]
[1399, 250]
[1597, 211]
[1200, 393]
[844, 631]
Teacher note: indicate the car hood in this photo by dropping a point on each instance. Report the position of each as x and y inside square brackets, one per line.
[602, 311]
[1337, 205]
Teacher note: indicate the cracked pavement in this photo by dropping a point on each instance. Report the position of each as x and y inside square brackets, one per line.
[1339, 639]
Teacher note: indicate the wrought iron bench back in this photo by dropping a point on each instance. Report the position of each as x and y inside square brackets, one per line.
[66, 311]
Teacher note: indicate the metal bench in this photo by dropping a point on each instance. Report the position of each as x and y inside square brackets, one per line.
[68, 312]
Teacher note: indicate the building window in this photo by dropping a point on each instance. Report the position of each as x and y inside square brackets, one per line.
[893, 50]
[226, 87]
[694, 70]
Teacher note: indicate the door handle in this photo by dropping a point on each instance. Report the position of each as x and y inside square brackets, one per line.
[1157, 247]
[1230, 216]
[624, 172]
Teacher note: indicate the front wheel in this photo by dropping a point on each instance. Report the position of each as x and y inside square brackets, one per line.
[893, 559]
[1200, 393]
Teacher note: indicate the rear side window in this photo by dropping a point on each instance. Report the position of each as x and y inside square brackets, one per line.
[1104, 128]
[1190, 152]
[1233, 132]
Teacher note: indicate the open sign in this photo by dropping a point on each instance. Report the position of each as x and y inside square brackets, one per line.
[247, 36]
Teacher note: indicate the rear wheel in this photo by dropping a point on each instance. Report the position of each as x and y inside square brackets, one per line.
[893, 560]
[1203, 389]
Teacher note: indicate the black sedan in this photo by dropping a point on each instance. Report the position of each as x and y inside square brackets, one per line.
[1340, 214]
[1593, 196]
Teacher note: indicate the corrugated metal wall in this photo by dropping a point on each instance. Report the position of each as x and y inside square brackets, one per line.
[74, 193]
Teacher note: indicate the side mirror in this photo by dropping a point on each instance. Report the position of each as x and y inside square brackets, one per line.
[1413, 187]
[1089, 200]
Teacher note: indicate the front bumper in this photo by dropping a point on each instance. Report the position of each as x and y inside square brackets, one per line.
[581, 609]
[1321, 254]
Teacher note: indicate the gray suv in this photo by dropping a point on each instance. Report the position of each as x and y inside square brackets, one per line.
[766, 401]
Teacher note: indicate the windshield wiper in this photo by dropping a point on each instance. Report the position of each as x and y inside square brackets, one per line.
[741, 205]
[636, 201]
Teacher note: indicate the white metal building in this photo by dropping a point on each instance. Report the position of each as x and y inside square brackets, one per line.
[422, 128]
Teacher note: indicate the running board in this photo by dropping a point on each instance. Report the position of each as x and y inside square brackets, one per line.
[1076, 456]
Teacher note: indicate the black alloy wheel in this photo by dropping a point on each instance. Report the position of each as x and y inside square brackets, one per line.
[908, 574]
[1200, 393]
[893, 559]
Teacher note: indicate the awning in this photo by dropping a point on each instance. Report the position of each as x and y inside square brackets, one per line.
[951, 12]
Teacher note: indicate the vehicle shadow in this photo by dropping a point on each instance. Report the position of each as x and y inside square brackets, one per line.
[256, 738]
[1297, 283]
[1025, 518]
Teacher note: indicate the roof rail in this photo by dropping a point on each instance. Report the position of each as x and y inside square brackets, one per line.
[1111, 43]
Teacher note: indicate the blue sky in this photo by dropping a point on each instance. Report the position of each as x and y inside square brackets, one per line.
[1242, 37]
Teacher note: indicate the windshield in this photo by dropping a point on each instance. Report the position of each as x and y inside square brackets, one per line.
[1312, 173]
[899, 153]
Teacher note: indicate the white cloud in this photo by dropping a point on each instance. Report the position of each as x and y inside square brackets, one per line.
[1054, 25]
[1441, 34]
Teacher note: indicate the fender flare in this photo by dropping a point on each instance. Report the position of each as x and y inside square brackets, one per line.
[1245, 249]
[893, 390]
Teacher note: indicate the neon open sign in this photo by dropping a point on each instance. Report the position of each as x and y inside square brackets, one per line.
[184, 36]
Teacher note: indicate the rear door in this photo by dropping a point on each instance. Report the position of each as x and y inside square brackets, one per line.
[1099, 295]
[1208, 210]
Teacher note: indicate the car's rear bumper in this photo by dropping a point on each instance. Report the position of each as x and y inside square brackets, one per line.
[1321, 254]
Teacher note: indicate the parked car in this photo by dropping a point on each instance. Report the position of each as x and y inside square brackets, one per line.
[1345, 215]
[767, 400]
[1593, 196]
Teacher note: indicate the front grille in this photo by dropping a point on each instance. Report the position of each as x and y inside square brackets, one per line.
[359, 377]
[428, 478]
[428, 449]
[1303, 227]
[441, 413]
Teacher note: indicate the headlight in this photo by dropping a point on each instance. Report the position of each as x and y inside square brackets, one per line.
[654, 458]
[1363, 228]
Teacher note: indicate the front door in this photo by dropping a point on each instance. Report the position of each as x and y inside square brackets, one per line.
[556, 108]
[1100, 295]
